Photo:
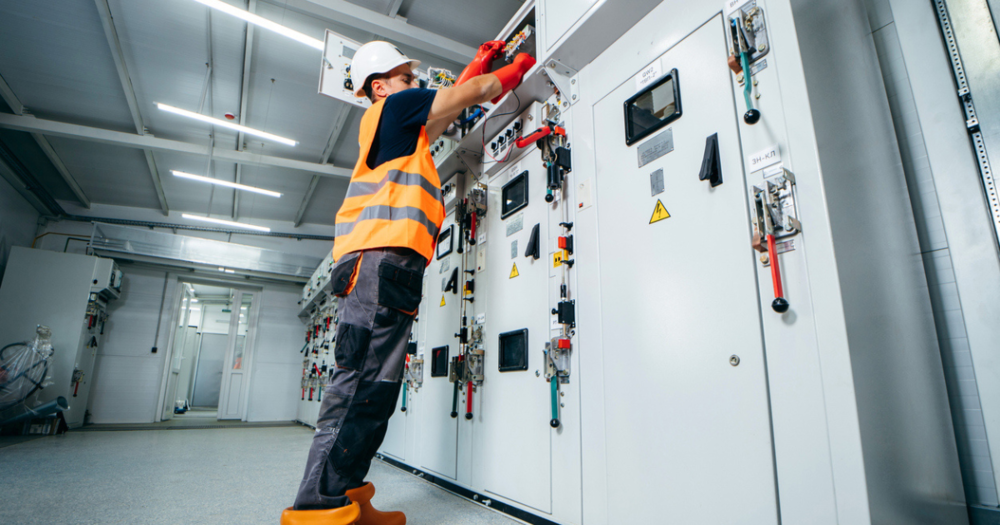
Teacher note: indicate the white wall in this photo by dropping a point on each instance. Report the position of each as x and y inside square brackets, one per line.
[127, 374]
[277, 363]
[17, 222]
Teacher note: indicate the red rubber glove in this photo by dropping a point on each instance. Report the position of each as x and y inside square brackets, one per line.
[483, 63]
[510, 76]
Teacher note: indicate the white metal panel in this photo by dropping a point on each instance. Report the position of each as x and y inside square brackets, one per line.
[560, 15]
[438, 431]
[51, 289]
[679, 299]
[515, 413]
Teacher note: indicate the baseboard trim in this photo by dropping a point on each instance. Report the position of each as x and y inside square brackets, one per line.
[472, 496]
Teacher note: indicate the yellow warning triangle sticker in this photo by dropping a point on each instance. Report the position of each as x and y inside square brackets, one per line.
[659, 212]
[442, 300]
[513, 271]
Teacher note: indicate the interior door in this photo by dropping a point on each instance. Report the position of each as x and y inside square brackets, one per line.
[688, 433]
[514, 419]
[231, 398]
[208, 370]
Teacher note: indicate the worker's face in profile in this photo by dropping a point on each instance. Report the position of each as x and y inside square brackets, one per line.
[400, 78]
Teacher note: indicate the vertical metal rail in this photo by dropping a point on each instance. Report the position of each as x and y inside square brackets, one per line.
[971, 120]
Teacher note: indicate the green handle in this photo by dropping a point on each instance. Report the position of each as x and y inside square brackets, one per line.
[554, 381]
[405, 384]
[745, 62]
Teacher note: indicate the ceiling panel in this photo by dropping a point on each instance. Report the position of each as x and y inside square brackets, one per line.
[166, 48]
[108, 174]
[326, 200]
[34, 160]
[470, 23]
[57, 61]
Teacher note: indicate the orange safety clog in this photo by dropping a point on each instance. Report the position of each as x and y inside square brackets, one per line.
[340, 516]
[369, 515]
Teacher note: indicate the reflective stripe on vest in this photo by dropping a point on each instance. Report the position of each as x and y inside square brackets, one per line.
[397, 204]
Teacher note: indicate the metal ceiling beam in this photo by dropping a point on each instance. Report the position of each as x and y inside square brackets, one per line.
[130, 140]
[104, 10]
[331, 143]
[394, 8]
[8, 96]
[244, 99]
[61, 168]
[395, 29]
[15, 105]
[305, 201]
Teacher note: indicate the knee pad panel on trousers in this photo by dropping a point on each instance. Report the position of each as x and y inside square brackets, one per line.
[371, 407]
[352, 345]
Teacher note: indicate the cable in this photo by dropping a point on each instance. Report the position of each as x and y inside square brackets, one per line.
[510, 149]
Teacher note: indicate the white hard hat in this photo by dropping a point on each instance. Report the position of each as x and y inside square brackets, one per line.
[374, 58]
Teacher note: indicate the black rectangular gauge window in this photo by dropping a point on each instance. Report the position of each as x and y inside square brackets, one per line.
[514, 195]
[439, 361]
[514, 350]
[411, 348]
[652, 108]
[446, 242]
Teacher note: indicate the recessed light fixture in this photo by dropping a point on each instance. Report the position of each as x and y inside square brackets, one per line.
[227, 184]
[225, 223]
[194, 300]
[263, 22]
[218, 122]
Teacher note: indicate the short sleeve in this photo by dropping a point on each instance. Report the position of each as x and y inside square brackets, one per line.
[409, 108]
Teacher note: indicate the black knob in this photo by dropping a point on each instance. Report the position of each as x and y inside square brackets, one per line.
[751, 117]
[549, 197]
[454, 414]
[468, 415]
[555, 312]
[554, 423]
[509, 132]
[780, 305]
[517, 125]
[402, 409]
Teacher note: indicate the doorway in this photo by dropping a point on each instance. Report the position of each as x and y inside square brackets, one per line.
[209, 352]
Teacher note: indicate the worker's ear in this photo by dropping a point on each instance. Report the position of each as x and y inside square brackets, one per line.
[380, 87]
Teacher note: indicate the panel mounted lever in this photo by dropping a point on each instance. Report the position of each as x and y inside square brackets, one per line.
[534, 246]
[711, 162]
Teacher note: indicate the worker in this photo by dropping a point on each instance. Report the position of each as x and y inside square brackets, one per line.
[385, 235]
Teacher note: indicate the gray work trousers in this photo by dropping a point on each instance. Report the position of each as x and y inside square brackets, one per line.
[370, 350]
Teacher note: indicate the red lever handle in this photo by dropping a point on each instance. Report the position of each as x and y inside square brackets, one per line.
[539, 133]
[780, 304]
[468, 402]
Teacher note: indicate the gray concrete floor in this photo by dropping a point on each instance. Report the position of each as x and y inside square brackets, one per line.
[237, 475]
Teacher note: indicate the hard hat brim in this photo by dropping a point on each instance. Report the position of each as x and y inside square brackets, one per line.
[359, 91]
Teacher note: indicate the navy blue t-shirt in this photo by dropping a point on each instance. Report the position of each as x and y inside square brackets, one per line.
[403, 114]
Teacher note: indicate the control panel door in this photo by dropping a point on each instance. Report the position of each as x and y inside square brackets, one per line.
[687, 418]
[439, 316]
[514, 418]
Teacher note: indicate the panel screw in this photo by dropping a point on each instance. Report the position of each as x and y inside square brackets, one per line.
[538, 374]
[573, 81]
[734, 360]
[574, 97]
[761, 48]
[764, 258]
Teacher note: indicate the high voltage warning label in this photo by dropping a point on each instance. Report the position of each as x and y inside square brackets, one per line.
[442, 300]
[513, 271]
[659, 212]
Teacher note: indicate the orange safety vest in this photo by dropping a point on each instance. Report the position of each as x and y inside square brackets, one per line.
[397, 204]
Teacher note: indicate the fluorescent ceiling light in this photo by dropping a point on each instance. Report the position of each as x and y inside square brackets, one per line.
[194, 300]
[223, 123]
[263, 22]
[227, 184]
[225, 223]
